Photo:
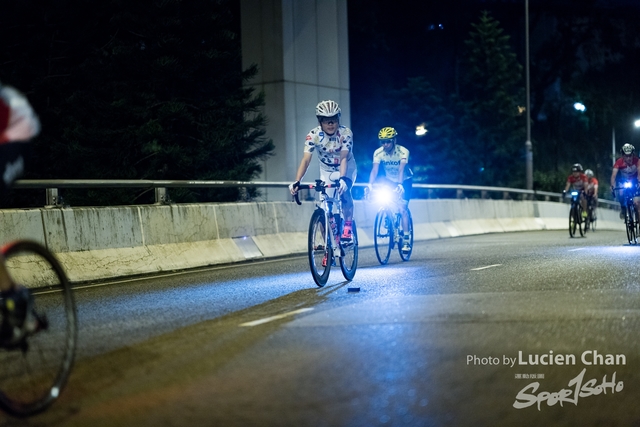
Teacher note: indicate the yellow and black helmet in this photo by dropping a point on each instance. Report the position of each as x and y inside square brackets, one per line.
[387, 133]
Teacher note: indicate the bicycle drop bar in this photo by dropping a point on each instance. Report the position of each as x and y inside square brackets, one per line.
[319, 186]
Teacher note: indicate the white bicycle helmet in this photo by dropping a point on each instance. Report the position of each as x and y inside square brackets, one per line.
[628, 149]
[327, 109]
[589, 173]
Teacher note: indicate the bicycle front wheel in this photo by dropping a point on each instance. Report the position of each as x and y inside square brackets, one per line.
[406, 255]
[35, 372]
[579, 220]
[383, 235]
[320, 253]
[349, 258]
[632, 226]
[572, 220]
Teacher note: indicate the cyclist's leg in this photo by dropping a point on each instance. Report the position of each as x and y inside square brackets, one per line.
[620, 196]
[636, 202]
[406, 196]
[347, 211]
[347, 200]
[583, 203]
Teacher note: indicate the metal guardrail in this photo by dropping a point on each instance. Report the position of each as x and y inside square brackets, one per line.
[162, 197]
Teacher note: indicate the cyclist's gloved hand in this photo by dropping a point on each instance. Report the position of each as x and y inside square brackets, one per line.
[399, 189]
[343, 186]
[367, 191]
[293, 187]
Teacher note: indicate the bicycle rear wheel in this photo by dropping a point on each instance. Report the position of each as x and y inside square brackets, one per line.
[349, 258]
[319, 251]
[406, 255]
[593, 219]
[35, 372]
[383, 235]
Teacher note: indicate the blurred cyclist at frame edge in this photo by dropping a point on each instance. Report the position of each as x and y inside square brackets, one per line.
[18, 124]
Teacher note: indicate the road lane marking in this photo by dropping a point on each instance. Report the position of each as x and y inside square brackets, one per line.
[488, 266]
[279, 316]
[578, 249]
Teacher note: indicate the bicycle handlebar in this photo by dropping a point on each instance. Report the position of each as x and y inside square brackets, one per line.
[319, 186]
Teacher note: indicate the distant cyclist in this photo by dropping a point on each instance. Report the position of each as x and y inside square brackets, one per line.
[334, 143]
[578, 181]
[592, 190]
[394, 159]
[626, 169]
[18, 124]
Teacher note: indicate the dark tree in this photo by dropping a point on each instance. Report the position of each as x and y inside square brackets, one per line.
[137, 90]
[489, 107]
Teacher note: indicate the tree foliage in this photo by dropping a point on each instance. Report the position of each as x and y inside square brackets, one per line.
[490, 122]
[419, 103]
[477, 135]
[150, 89]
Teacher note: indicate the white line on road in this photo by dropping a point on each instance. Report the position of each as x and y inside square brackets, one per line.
[578, 249]
[488, 266]
[279, 316]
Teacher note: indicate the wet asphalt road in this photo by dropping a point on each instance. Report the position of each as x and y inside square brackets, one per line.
[450, 338]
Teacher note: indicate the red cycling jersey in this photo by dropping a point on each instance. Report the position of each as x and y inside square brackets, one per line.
[578, 183]
[628, 172]
[591, 186]
[4, 119]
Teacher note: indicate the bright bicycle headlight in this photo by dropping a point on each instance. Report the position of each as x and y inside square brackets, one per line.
[383, 196]
[627, 184]
[574, 193]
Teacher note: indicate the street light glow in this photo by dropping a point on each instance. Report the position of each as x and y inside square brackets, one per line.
[637, 123]
[580, 107]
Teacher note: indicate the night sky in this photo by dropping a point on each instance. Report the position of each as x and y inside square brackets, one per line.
[392, 41]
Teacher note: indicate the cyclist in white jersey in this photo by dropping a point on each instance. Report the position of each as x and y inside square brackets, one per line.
[18, 124]
[334, 144]
[394, 159]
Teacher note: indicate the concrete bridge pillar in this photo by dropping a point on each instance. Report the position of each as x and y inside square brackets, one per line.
[302, 52]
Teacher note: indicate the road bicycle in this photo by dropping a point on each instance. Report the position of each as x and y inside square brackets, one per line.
[575, 214]
[591, 219]
[34, 370]
[387, 228]
[631, 216]
[324, 242]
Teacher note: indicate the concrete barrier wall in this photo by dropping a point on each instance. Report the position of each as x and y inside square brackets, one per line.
[107, 242]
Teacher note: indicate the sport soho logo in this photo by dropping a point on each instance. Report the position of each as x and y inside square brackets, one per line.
[577, 388]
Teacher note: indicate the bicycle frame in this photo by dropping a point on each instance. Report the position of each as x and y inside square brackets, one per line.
[390, 200]
[391, 207]
[326, 204]
[631, 214]
[575, 214]
[330, 216]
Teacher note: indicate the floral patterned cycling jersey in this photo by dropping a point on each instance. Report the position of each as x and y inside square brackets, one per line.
[391, 162]
[329, 148]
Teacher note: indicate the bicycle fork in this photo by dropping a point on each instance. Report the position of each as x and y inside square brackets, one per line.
[332, 232]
